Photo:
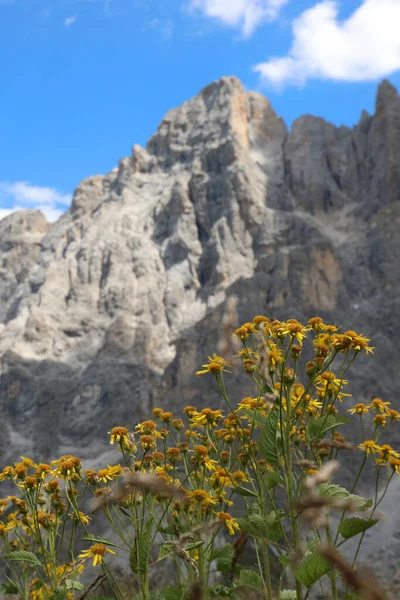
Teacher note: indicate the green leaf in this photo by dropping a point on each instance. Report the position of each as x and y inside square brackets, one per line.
[97, 539]
[267, 443]
[225, 552]
[224, 558]
[254, 416]
[272, 479]
[259, 526]
[170, 529]
[59, 594]
[70, 584]
[223, 591]
[174, 592]
[355, 525]
[166, 549]
[288, 595]
[8, 588]
[311, 568]
[268, 390]
[23, 556]
[251, 579]
[243, 491]
[139, 554]
[330, 490]
[317, 428]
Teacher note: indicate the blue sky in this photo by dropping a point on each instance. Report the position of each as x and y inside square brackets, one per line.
[82, 80]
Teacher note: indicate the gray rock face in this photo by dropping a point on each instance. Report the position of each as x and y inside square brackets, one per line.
[110, 310]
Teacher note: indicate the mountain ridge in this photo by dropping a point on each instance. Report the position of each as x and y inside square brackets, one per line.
[111, 309]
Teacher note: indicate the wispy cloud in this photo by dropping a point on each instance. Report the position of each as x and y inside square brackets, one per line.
[364, 47]
[21, 195]
[165, 27]
[246, 15]
[70, 21]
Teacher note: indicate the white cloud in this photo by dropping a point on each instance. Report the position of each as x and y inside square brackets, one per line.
[70, 21]
[165, 28]
[21, 195]
[364, 47]
[243, 14]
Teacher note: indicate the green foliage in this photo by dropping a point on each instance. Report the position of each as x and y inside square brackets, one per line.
[355, 525]
[139, 554]
[335, 492]
[268, 441]
[23, 556]
[288, 595]
[59, 594]
[311, 568]
[251, 579]
[8, 588]
[317, 428]
[264, 527]
[174, 592]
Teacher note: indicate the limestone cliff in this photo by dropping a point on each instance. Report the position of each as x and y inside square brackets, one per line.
[111, 309]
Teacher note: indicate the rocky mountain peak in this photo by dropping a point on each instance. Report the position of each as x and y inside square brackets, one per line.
[387, 96]
[112, 308]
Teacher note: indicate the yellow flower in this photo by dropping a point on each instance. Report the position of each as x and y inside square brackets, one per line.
[379, 420]
[370, 446]
[379, 405]
[328, 384]
[386, 453]
[96, 551]
[293, 328]
[67, 466]
[201, 497]
[395, 464]
[80, 517]
[216, 364]
[350, 340]
[245, 331]
[7, 473]
[205, 417]
[231, 523]
[359, 409]
[120, 435]
[239, 477]
[109, 473]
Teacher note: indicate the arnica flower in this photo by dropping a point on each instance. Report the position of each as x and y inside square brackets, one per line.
[239, 477]
[359, 409]
[293, 328]
[275, 356]
[216, 365]
[201, 497]
[46, 520]
[109, 473]
[395, 464]
[393, 415]
[221, 477]
[350, 340]
[379, 405]
[119, 435]
[245, 331]
[379, 420]
[386, 453]
[96, 551]
[205, 417]
[7, 473]
[147, 442]
[146, 428]
[67, 466]
[370, 446]
[231, 523]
